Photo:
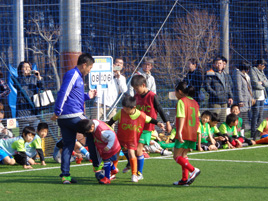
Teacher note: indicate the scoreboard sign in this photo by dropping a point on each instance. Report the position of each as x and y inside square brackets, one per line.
[102, 72]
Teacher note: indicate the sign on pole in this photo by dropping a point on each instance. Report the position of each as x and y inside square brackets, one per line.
[100, 76]
[102, 72]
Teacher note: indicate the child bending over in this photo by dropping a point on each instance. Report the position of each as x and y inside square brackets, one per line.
[106, 143]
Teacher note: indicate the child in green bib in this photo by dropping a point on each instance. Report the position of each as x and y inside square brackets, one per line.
[229, 131]
[205, 141]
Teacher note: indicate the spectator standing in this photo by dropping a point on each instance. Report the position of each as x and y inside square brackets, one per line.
[259, 84]
[218, 87]
[231, 85]
[29, 82]
[117, 86]
[243, 89]
[194, 78]
[146, 72]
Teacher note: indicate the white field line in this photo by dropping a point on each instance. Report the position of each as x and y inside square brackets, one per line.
[160, 157]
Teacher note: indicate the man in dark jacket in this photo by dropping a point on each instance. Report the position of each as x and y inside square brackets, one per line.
[219, 89]
[194, 78]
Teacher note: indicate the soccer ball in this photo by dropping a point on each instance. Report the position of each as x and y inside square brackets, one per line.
[100, 174]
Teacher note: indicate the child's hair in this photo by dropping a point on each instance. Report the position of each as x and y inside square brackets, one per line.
[235, 105]
[206, 112]
[129, 101]
[231, 118]
[215, 117]
[138, 80]
[187, 90]
[42, 125]
[27, 130]
[84, 125]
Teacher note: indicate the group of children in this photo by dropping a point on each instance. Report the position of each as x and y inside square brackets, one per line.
[24, 148]
[230, 133]
[136, 123]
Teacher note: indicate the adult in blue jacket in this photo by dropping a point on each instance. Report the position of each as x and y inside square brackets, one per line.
[69, 109]
[219, 89]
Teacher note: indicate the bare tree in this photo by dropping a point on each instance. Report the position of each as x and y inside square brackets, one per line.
[195, 36]
[51, 37]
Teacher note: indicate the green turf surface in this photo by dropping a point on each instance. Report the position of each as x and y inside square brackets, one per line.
[228, 175]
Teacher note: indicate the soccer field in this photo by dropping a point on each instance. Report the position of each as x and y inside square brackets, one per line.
[238, 174]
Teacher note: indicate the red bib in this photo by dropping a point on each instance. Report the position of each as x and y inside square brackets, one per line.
[146, 104]
[129, 131]
[100, 144]
[191, 122]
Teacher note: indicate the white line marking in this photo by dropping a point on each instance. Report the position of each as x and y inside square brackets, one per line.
[160, 157]
[48, 168]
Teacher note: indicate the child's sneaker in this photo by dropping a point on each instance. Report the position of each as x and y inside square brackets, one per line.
[126, 169]
[146, 155]
[99, 174]
[193, 175]
[181, 183]
[68, 180]
[105, 180]
[78, 160]
[134, 178]
[114, 172]
[140, 176]
[166, 153]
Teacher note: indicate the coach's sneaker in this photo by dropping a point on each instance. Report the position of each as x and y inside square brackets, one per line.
[140, 176]
[68, 180]
[181, 183]
[126, 169]
[105, 180]
[134, 178]
[193, 175]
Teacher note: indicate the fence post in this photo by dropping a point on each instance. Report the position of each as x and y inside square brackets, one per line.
[70, 40]
[18, 33]
[225, 31]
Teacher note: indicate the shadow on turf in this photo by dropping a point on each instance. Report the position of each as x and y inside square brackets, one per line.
[92, 181]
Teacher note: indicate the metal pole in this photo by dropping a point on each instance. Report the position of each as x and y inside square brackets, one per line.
[70, 40]
[18, 32]
[225, 31]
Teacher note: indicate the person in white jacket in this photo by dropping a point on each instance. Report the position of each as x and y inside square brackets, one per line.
[145, 71]
[117, 86]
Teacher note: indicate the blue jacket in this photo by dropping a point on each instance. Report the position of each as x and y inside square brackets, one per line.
[71, 96]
